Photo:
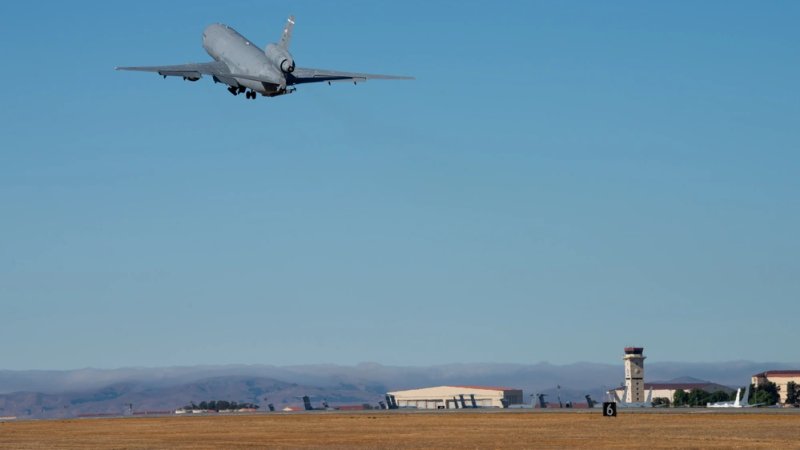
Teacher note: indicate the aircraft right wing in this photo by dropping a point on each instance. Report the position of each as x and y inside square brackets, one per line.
[301, 76]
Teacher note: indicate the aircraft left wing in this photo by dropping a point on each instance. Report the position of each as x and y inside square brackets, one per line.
[193, 71]
[301, 76]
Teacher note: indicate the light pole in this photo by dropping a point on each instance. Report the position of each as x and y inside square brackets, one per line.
[558, 394]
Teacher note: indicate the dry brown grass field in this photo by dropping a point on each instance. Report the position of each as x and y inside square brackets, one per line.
[414, 430]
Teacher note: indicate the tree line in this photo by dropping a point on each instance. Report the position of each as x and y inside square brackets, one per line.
[764, 394]
[699, 397]
[793, 393]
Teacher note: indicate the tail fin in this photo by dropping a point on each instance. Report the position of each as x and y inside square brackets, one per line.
[746, 398]
[738, 393]
[649, 398]
[286, 37]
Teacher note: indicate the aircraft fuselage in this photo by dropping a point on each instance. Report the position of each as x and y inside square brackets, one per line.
[225, 44]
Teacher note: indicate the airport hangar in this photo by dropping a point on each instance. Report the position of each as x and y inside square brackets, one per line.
[455, 397]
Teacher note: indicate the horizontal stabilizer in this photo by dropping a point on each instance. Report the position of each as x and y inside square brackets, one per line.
[305, 75]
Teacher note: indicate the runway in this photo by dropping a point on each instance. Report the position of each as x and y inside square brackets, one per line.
[757, 428]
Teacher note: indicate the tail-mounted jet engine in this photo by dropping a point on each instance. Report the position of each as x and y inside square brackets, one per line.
[279, 57]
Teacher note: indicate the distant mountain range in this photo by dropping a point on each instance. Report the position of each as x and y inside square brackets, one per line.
[127, 397]
[69, 393]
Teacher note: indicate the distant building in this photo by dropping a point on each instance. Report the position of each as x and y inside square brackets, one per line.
[667, 390]
[781, 378]
[455, 397]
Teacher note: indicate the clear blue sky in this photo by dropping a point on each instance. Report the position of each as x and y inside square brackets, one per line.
[561, 180]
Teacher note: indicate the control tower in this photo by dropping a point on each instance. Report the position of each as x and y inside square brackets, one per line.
[634, 374]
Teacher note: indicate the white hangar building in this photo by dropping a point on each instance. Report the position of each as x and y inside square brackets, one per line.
[455, 397]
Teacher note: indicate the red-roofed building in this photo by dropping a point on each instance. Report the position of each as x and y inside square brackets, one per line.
[491, 388]
[781, 378]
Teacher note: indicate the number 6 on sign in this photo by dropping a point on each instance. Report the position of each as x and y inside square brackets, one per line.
[609, 409]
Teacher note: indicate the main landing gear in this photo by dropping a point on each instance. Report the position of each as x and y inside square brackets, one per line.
[236, 90]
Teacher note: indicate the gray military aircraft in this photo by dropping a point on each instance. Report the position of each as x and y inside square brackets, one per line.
[245, 68]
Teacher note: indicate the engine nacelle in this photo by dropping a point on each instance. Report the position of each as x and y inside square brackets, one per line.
[280, 58]
[287, 66]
